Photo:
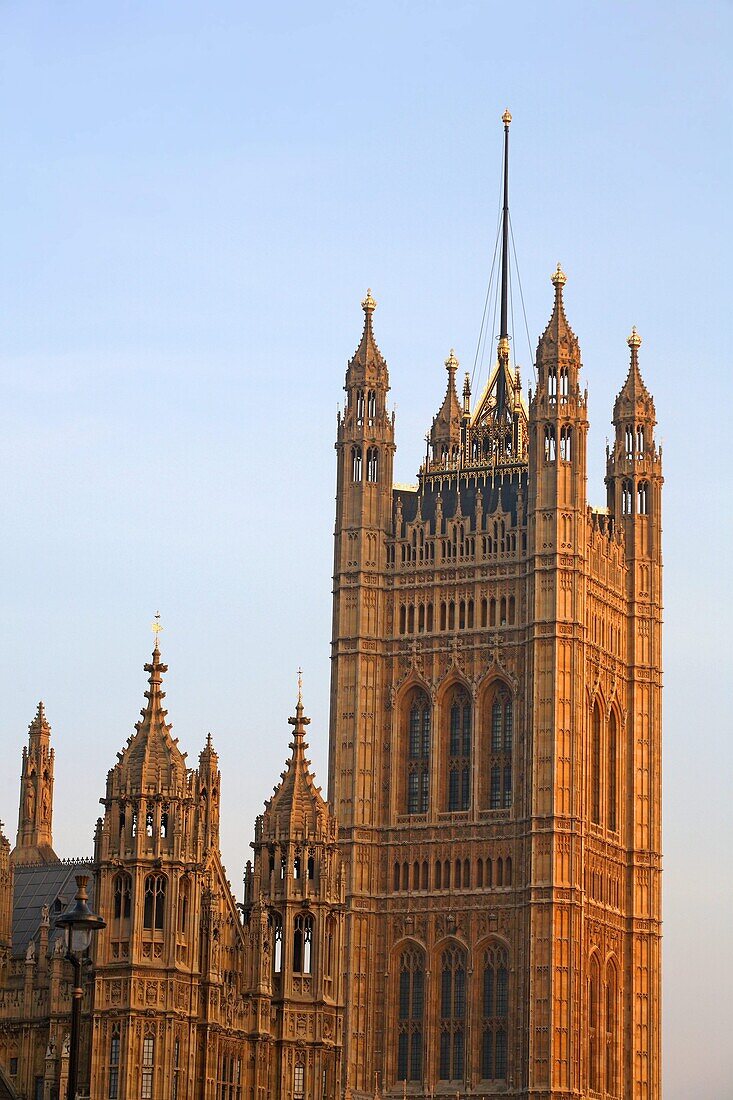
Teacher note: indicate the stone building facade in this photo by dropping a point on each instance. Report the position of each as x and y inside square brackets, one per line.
[190, 995]
[495, 744]
[475, 911]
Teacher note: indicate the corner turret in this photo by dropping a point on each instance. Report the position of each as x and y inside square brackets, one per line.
[34, 842]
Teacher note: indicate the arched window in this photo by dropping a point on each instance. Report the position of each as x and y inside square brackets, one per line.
[154, 904]
[459, 750]
[639, 439]
[564, 388]
[371, 405]
[550, 443]
[276, 923]
[627, 497]
[495, 1013]
[396, 877]
[114, 1064]
[183, 901]
[121, 895]
[418, 752]
[595, 765]
[566, 435]
[359, 406]
[328, 954]
[479, 872]
[552, 384]
[438, 874]
[612, 777]
[499, 742]
[629, 440]
[410, 1015]
[356, 463]
[452, 1015]
[302, 944]
[372, 469]
[594, 1025]
[611, 1029]
[642, 498]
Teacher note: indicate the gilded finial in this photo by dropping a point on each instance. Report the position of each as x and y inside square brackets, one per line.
[503, 348]
[368, 304]
[300, 686]
[634, 341]
[451, 363]
[506, 118]
[156, 627]
[559, 278]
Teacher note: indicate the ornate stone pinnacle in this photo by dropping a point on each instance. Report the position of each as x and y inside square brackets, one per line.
[634, 341]
[559, 278]
[451, 363]
[506, 118]
[368, 304]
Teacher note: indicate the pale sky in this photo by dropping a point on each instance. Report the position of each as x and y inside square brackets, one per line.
[194, 199]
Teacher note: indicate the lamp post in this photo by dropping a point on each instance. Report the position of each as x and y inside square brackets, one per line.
[77, 923]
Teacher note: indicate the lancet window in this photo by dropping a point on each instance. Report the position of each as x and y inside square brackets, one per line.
[550, 443]
[499, 742]
[595, 765]
[154, 903]
[372, 464]
[459, 750]
[410, 1015]
[418, 752]
[611, 1029]
[612, 774]
[452, 1049]
[594, 1025]
[121, 896]
[494, 1013]
[114, 1065]
[356, 463]
[302, 944]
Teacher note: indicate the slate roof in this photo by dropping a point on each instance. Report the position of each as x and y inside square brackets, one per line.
[40, 884]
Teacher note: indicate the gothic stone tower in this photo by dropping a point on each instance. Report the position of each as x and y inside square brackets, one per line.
[34, 842]
[170, 1006]
[295, 891]
[496, 738]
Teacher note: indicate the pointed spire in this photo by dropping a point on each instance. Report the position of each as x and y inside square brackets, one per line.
[634, 398]
[367, 363]
[151, 757]
[297, 805]
[558, 343]
[445, 433]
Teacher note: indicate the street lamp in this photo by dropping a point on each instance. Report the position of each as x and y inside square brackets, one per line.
[77, 923]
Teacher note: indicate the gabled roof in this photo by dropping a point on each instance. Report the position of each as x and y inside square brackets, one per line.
[36, 885]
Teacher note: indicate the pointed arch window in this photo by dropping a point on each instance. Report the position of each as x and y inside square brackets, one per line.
[564, 385]
[183, 903]
[550, 443]
[627, 497]
[594, 1026]
[459, 750]
[372, 464]
[371, 406]
[121, 895]
[418, 752]
[642, 498]
[410, 1015]
[452, 1015]
[499, 741]
[611, 1029]
[612, 777]
[114, 1065]
[303, 944]
[360, 407]
[154, 902]
[566, 437]
[629, 441]
[595, 765]
[639, 440]
[552, 384]
[276, 925]
[356, 463]
[494, 1013]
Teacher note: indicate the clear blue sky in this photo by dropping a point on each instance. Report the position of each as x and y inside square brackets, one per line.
[194, 198]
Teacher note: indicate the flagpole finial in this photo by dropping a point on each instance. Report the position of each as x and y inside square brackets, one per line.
[156, 628]
[506, 118]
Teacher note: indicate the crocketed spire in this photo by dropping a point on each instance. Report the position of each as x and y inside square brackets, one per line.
[634, 399]
[445, 433]
[151, 758]
[367, 365]
[558, 346]
[297, 808]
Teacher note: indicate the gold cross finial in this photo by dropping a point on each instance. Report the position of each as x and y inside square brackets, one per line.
[300, 686]
[156, 627]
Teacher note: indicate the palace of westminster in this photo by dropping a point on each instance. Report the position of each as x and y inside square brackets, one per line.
[475, 909]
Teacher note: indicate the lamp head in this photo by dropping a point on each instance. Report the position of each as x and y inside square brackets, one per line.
[79, 922]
